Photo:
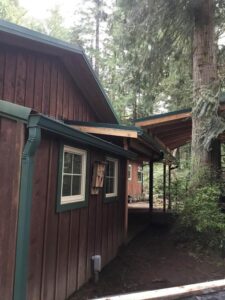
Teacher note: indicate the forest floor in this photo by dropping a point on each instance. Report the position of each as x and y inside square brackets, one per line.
[153, 261]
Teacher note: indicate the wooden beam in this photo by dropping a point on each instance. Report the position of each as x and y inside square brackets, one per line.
[170, 127]
[163, 120]
[107, 131]
[151, 166]
[169, 188]
[168, 141]
[125, 143]
[173, 292]
[178, 143]
[164, 187]
[175, 133]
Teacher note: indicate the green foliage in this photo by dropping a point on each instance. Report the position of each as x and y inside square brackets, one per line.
[201, 220]
[11, 11]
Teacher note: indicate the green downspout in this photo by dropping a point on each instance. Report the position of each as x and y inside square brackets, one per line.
[24, 216]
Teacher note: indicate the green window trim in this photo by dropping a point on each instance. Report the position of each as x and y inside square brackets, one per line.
[62, 207]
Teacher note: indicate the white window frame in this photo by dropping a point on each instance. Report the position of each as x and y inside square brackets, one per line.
[81, 196]
[140, 170]
[129, 171]
[115, 192]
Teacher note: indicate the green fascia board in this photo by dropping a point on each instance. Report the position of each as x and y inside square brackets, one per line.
[171, 113]
[14, 111]
[72, 134]
[108, 102]
[35, 36]
[100, 125]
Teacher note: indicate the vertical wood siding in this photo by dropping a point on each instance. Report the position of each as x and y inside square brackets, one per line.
[11, 145]
[42, 83]
[62, 244]
[134, 186]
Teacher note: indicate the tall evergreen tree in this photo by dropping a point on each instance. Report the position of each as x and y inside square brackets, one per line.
[161, 29]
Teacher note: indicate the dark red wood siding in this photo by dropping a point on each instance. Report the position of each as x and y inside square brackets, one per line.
[134, 186]
[42, 83]
[11, 145]
[62, 244]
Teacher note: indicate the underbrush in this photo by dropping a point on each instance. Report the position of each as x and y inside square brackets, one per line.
[200, 219]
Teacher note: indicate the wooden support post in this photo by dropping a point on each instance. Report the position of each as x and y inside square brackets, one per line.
[164, 187]
[169, 188]
[151, 186]
[126, 194]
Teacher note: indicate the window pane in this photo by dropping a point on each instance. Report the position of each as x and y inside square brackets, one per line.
[110, 168]
[107, 188]
[109, 185]
[76, 185]
[66, 191]
[77, 161]
[68, 162]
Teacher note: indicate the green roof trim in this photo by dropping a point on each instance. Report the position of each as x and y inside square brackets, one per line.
[24, 114]
[171, 113]
[100, 125]
[100, 87]
[36, 36]
[66, 131]
[14, 111]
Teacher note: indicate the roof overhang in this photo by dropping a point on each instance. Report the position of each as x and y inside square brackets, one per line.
[145, 145]
[73, 58]
[173, 129]
[25, 115]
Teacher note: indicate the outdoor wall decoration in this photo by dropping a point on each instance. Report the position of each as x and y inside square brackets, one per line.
[98, 177]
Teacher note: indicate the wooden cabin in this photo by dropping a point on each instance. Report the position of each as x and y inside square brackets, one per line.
[135, 181]
[63, 189]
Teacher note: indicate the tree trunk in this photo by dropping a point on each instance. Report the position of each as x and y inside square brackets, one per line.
[98, 13]
[205, 80]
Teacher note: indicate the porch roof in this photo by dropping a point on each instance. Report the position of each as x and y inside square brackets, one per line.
[135, 138]
[173, 129]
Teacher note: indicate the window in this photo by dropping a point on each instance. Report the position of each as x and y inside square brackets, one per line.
[140, 174]
[73, 175]
[111, 178]
[129, 172]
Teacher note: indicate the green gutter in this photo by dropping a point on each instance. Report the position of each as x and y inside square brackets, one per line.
[14, 111]
[24, 215]
[156, 146]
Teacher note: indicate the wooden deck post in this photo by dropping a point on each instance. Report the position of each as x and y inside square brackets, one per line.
[126, 194]
[151, 166]
[164, 187]
[169, 188]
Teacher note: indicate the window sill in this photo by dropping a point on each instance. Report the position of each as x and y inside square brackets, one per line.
[110, 199]
[61, 207]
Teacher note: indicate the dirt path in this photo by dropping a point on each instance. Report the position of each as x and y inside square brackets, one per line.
[152, 261]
